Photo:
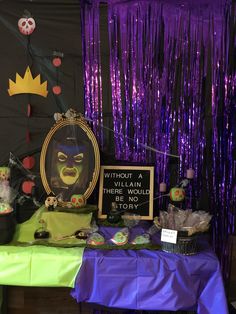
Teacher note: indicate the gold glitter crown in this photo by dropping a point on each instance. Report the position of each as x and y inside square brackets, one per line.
[27, 84]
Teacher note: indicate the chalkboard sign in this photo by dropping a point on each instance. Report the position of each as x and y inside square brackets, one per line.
[131, 187]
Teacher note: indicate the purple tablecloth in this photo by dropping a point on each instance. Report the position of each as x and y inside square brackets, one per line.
[151, 280]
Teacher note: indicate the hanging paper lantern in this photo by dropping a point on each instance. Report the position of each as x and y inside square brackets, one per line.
[177, 194]
[56, 62]
[26, 24]
[56, 90]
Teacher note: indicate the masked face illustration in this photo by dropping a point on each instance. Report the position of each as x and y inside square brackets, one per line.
[70, 163]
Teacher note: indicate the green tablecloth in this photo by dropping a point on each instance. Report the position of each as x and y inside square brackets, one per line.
[39, 265]
[57, 223]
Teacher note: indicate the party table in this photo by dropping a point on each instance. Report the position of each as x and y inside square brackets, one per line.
[152, 280]
[132, 279]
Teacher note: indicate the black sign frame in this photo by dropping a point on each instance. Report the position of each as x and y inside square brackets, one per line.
[140, 191]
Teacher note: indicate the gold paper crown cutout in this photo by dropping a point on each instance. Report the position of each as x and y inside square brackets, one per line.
[27, 84]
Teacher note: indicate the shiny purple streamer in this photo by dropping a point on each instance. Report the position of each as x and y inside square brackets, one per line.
[92, 66]
[172, 61]
[171, 65]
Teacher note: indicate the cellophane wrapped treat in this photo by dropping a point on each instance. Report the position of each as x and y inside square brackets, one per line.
[121, 237]
[96, 239]
[184, 220]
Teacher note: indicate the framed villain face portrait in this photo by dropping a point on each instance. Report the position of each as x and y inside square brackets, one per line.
[70, 159]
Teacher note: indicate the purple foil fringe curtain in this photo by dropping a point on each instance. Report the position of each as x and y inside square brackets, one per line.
[173, 86]
[92, 66]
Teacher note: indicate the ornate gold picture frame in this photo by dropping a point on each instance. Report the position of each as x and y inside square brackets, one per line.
[70, 159]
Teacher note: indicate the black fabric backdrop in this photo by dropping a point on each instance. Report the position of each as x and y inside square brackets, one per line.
[58, 28]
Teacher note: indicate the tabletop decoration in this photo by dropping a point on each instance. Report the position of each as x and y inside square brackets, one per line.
[184, 220]
[121, 237]
[96, 239]
[42, 232]
[51, 202]
[131, 219]
[81, 234]
[70, 158]
[105, 246]
[114, 215]
[187, 223]
[142, 239]
[146, 236]
[131, 187]
[106, 223]
[7, 193]
[7, 196]
[78, 200]
[88, 208]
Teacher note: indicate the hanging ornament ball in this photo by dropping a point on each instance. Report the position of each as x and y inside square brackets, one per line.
[190, 173]
[56, 90]
[162, 187]
[27, 187]
[28, 162]
[26, 24]
[177, 194]
[56, 62]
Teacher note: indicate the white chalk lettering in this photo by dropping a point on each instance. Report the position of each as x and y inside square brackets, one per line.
[114, 175]
[133, 198]
[112, 191]
[139, 192]
[124, 206]
[125, 184]
[119, 198]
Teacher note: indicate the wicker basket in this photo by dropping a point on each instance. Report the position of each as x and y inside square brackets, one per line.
[186, 245]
